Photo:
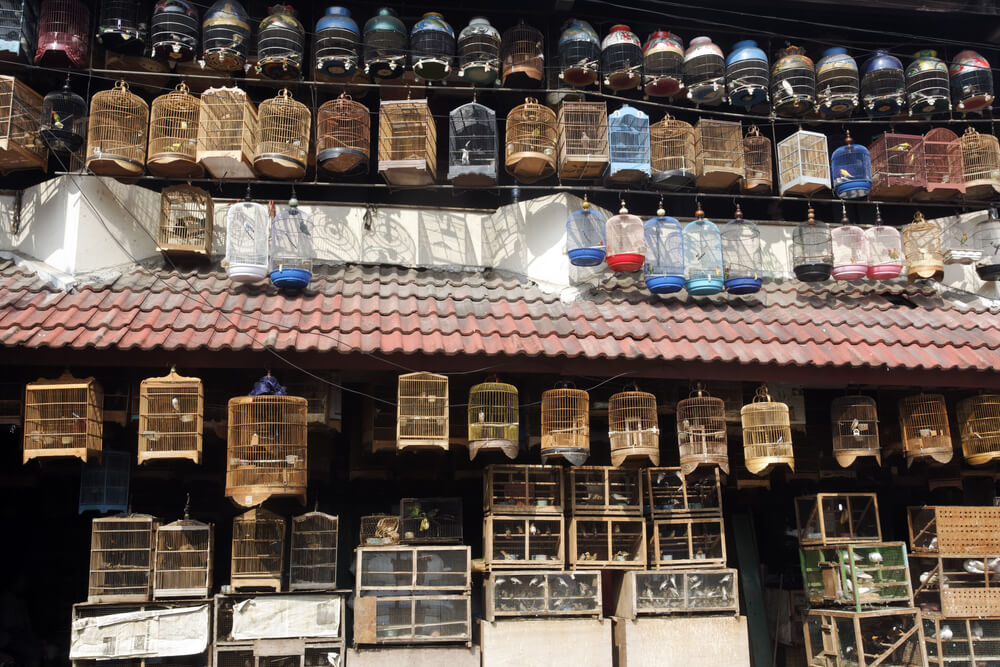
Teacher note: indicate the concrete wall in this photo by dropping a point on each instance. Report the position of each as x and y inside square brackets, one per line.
[682, 641]
[418, 656]
[578, 642]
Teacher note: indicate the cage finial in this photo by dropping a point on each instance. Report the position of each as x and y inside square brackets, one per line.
[843, 209]
[586, 203]
[699, 214]
[739, 212]
[660, 211]
[249, 195]
[847, 139]
[623, 210]
[918, 217]
[293, 201]
[182, 88]
[762, 395]
[811, 215]
[878, 215]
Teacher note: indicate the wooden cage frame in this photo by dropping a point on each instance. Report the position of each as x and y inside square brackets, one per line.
[971, 640]
[122, 549]
[672, 152]
[531, 142]
[699, 541]
[537, 539]
[49, 432]
[980, 164]
[970, 589]
[367, 630]
[171, 410]
[979, 428]
[767, 434]
[228, 130]
[414, 569]
[857, 574]
[953, 531]
[183, 570]
[254, 563]
[672, 492]
[21, 145]
[619, 536]
[758, 175]
[682, 591]
[633, 420]
[824, 645]
[379, 530]
[407, 142]
[430, 520]
[803, 164]
[582, 156]
[542, 594]
[422, 412]
[924, 427]
[898, 168]
[523, 489]
[312, 558]
[813, 516]
[702, 437]
[944, 165]
[187, 216]
[604, 491]
[117, 129]
[173, 135]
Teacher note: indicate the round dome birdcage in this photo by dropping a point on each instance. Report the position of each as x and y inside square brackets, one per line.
[122, 27]
[116, 133]
[741, 255]
[247, 238]
[174, 31]
[579, 53]
[621, 59]
[701, 431]
[626, 241]
[283, 141]
[432, 47]
[704, 69]
[850, 251]
[225, 36]
[747, 75]
[672, 153]
[64, 120]
[971, 82]
[384, 45]
[343, 136]
[851, 169]
[793, 83]
[837, 83]
[703, 267]
[523, 56]
[63, 26]
[980, 164]
[585, 235]
[922, 247]
[664, 266]
[885, 251]
[336, 45]
[812, 250]
[927, 90]
[531, 136]
[883, 84]
[767, 434]
[479, 52]
[173, 135]
[290, 250]
[987, 239]
[565, 424]
[281, 41]
[662, 64]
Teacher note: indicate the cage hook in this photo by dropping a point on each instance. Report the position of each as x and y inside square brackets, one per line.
[249, 195]
[762, 395]
[293, 201]
[878, 215]
[698, 390]
[187, 506]
[565, 384]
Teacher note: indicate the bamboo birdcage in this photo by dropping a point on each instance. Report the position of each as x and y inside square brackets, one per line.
[258, 551]
[343, 136]
[803, 164]
[104, 484]
[523, 56]
[923, 421]
[186, 217]
[943, 160]
[767, 434]
[719, 151]
[701, 431]
[407, 142]
[493, 418]
[472, 146]
[583, 140]
[121, 558]
[312, 563]
[922, 247]
[979, 428]
[379, 530]
[21, 145]
[422, 411]
[757, 177]
[633, 427]
[173, 135]
[170, 418]
[531, 142]
[565, 425]
[672, 153]
[185, 550]
[266, 452]
[898, 169]
[812, 250]
[980, 164]
[116, 133]
[227, 133]
[855, 429]
[282, 149]
[63, 417]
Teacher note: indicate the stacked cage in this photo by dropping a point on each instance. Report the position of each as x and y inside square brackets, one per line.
[606, 528]
[944, 167]
[479, 52]
[173, 135]
[898, 167]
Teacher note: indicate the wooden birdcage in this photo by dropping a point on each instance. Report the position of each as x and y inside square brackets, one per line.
[701, 431]
[405, 618]
[379, 530]
[116, 133]
[672, 153]
[979, 428]
[422, 411]
[757, 163]
[943, 159]
[922, 247]
[493, 418]
[63, 417]
[803, 164]
[898, 167]
[565, 425]
[633, 427]
[857, 574]
[523, 56]
[854, 429]
[343, 136]
[266, 452]
[719, 154]
[258, 551]
[604, 491]
[430, 520]
[407, 142]
[583, 140]
[686, 542]
[671, 493]
[121, 558]
[881, 636]
[21, 145]
[954, 530]
[531, 142]
[767, 434]
[608, 542]
[523, 489]
[186, 217]
[227, 133]
[980, 164]
[923, 421]
[837, 518]
[282, 150]
[184, 553]
[523, 541]
[950, 640]
[104, 484]
[312, 563]
[170, 418]
[812, 249]
[173, 135]
[554, 594]
[958, 588]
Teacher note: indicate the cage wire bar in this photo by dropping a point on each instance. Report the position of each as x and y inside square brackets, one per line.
[170, 418]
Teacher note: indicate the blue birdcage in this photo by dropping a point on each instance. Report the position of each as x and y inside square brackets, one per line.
[585, 240]
[291, 248]
[104, 485]
[628, 139]
[741, 255]
[851, 170]
[702, 256]
[664, 269]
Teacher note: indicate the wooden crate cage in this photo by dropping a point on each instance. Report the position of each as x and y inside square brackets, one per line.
[956, 642]
[633, 422]
[63, 417]
[943, 160]
[672, 153]
[979, 428]
[280, 653]
[828, 519]
[412, 619]
[407, 142]
[583, 140]
[683, 542]
[864, 639]
[898, 167]
[104, 484]
[173, 135]
[267, 449]
[565, 425]
[170, 418]
[21, 145]
[980, 164]
[121, 558]
[767, 434]
[312, 561]
[282, 149]
[185, 550]
[343, 136]
[522, 55]
[607, 542]
[923, 422]
[379, 530]
[701, 431]
[116, 133]
[958, 587]
[535, 594]
[532, 140]
[603, 490]
[258, 551]
[719, 154]
[854, 429]
[857, 574]
[430, 520]
[803, 164]
[523, 489]
[758, 174]
[19, 30]
[422, 412]
[712, 591]
[186, 218]
[523, 541]
[420, 569]
[493, 418]
[922, 247]
[670, 492]
[228, 131]
[954, 530]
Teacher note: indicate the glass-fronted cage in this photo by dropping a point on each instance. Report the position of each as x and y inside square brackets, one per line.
[850, 251]
[927, 85]
[173, 135]
[579, 53]
[626, 241]
[742, 256]
[851, 170]
[343, 136]
[662, 64]
[922, 248]
[122, 27]
[384, 42]
[523, 54]
[812, 250]
[758, 177]
[664, 267]
[971, 82]
[63, 30]
[432, 47]
[282, 149]
[116, 133]
[104, 484]
[479, 52]
[672, 153]
[898, 169]
[883, 84]
[18, 30]
[704, 69]
[531, 142]
[987, 238]
[943, 160]
[174, 31]
[281, 42]
[585, 228]
[583, 140]
[628, 146]
[803, 164]
[837, 83]
[336, 46]
[981, 164]
[748, 75]
[472, 146]
[793, 83]
[621, 59]
[290, 251]
[225, 36]
[885, 251]
[718, 153]
[702, 256]
[247, 233]
[64, 120]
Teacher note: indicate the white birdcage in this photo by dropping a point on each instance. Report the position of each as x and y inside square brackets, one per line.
[290, 251]
[803, 164]
[247, 236]
[472, 146]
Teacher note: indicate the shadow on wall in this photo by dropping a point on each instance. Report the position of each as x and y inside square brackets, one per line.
[35, 236]
[138, 207]
[335, 238]
[445, 239]
[388, 241]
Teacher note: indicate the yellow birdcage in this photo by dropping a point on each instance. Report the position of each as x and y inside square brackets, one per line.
[757, 163]
[565, 425]
[922, 247]
[63, 417]
[583, 140]
[282, 150]
[407, 142]
[633, 427]
[980, 164]
[531, 135]
[343, 136]
[116, 133]
[672, 152]
[767, 434]
[719, 154]
[21, 146]
[923, 420]
[701, 431]
[855, 429]
[422, 411]
[170, 418]
[173, 135]
[227, 133]
[186, 216]
[493, 418]
[258, 550]
[979, 426]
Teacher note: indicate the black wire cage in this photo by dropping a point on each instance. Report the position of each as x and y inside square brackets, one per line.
[793, 83]
[662, 61]
[472, 146]
[479, 52]
[579, 54]
[281, 44]
[621, 59]
[432, 47]
[384, 45]
[174, 30]
[122, 26]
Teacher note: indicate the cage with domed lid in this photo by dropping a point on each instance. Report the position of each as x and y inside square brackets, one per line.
[854, 426]
[407, 142]
[122, 27]
[579, 53]
[922, 247]
[742, 256]
[980, 164]
[662, 64]
[583, 140]
[281, 41]
[228, 130]
[282, 149]
[803, 164]
[621, 59]
[850, 251]
[943, 163]
[116, 133]
[704, 69]
[718, 154]
[883, 84]
[174, 31]
[18, 30]
[837, 84]
[336, 47]
[290, 252]
[479, 52]
[343, 136]
[63, 34]
[767, 434]
[531, 136]
[585, 240]
[672, 153]
[432, 47]
[898, 168]
[493, 418]
[628, 146]
[812, 250]
[21, 144]
[473, 152]
[225, 36]
[247, 238]
[793, 83]
[851, 169]
[626, 242]
[173, 135]
[927, 89]
[63, 125]
[757, 177]
[384, 41]
[986, 238]
[522, 53]
[923, 422]
[633, 428]
[186, 215]
[664, 265]
[565, 424]
[971, 82]
[979, 427]
[885, 251]
[703, 269]
[258, 550]
[701, 431]
[748, 75]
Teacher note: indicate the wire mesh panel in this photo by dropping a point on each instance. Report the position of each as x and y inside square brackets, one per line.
[186, 214]
[626, 241]
[531, 135]
[922, 246]
[422, 411]
[628, 140]
[227, 133]
[248, 227]
[701, 431]
[312, 563]
[662, 64]
[719, 153]
[553, 594]
[523, 56]
[704, 69]
[472, 146]
[673, 493]
[565, 425]
[741, 255]
[747, 75]
[945, 170]
[479, 52]
[583, 140]
[971, 82]
[184, 553]
[703, 267]
[104, 484]
[954, 530]
[923, 420]
[927, 90]
[633, 427]
[493, 418]
[883, 84]
[979, 428]
[793, 83]
[343, 136]
[173, 135]
[282, 149]
[837, 84]
[585, 235]
[980, 164]
[664, 265]
[121, 558]
[18, 30]
[281, 44]
[63, 417]
[290, 250]
[851, 169]
[703, 590]
[170, 418]
[812, 250]
[258, 551]
[116, 132]
[174, 30]
[855, 429]
[384, 45]
[407, 141]
[621, 59]
[683, 541]
[672, 153]
[885, 251]
[21, 145]
[603, 490]
[757, 163]
[803, 164]
[336, 48]
[63, 29]
[432, 47]
[898, 169]
[225, 36]
[767, 434]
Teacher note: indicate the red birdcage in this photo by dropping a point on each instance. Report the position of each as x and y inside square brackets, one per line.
[944, 164]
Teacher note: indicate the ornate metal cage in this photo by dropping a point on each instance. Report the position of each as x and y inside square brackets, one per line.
[472, 146]
[922, 247]
[565, 425]
[523, 56]
[812, 250]
[407, 142]
[923, 421]
[225, 36]
[583, 140]
[633, 427]
[63, 417]
[432, 47]
[121, 26]
[422, 411]
[21, 144]
[672, 153]
[767, 434]
[837, 84]
[228, 132]
[531, 136]
[116, 133]
[173, 135]
[704, 69]
[281, 43]
[579, 53]
[336, 47]
[384, 44]
[854, 426]
[757, 163]
[493, 418]
[971, 82]
[64, 120]
[883, 84]
[174, 30]
[171, 409]
[343, 136]
[748, 75]
[662, 64]
[701, 431]
[927, 90]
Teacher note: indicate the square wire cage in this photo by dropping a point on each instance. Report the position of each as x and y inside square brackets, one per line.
[803, 164]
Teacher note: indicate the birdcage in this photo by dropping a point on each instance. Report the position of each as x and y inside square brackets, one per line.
[281, 41]
[170, 418]
[898, 168]
[702, 256]
[312, 561]
[626, 243]
[633, 427]
[607, 542]
[184, 553]
[583, 140]
[531, 142]
[672, 152]
[63, 115]
[523, 489]
[523, 56]
[812, 250]
[63, 417]
[971, 82]
[857, 575]
[837, 84]
[803, 164]
[922, 247]
[629, 150]
[757, 163]
[987, 238]
[121, 558]
[923, 421]
[227, 133]
[621, 59]
[880, 636]
[565, 425]
[258, 551]
[21, 144]
[104, 484]
[979, 427]
[225, 36]
[121, 26]
[432, 47]
[585, 235]
[343, 136]
[793, 83]
[407, 140]
[174, 31]
[173, 135]
[704, 69]
[472, 146]
[767, 434]
[63, 30]
[885, 251]
[943, 163]
[116, 133]
[838, 519]
[186, 214]
[579, 53]
[981, 164]
[747, 75]
[927, 89]
[605, 490]
[336, 45]
[384, 45]
[854, 429]
[266, 451]
[493, 418]
[18, 30]
[851, 168]
[379, 530]
[554, 593]
[247, 237]
[883, 84]
[431, 520]
[701, 431]
[719, 154]
[422, 411]
[664, 265]
[282, 149]
[662, 64]
[479, 52]
[291, 248]
[741, 255]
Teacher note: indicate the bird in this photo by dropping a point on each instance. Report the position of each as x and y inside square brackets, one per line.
[875, 557]
[946, 633]
[535, 581]
[973, 566]
[846, 174]
[516, 580]
[904, 146]
[175, 403]
[977, 630]
[787, 87]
